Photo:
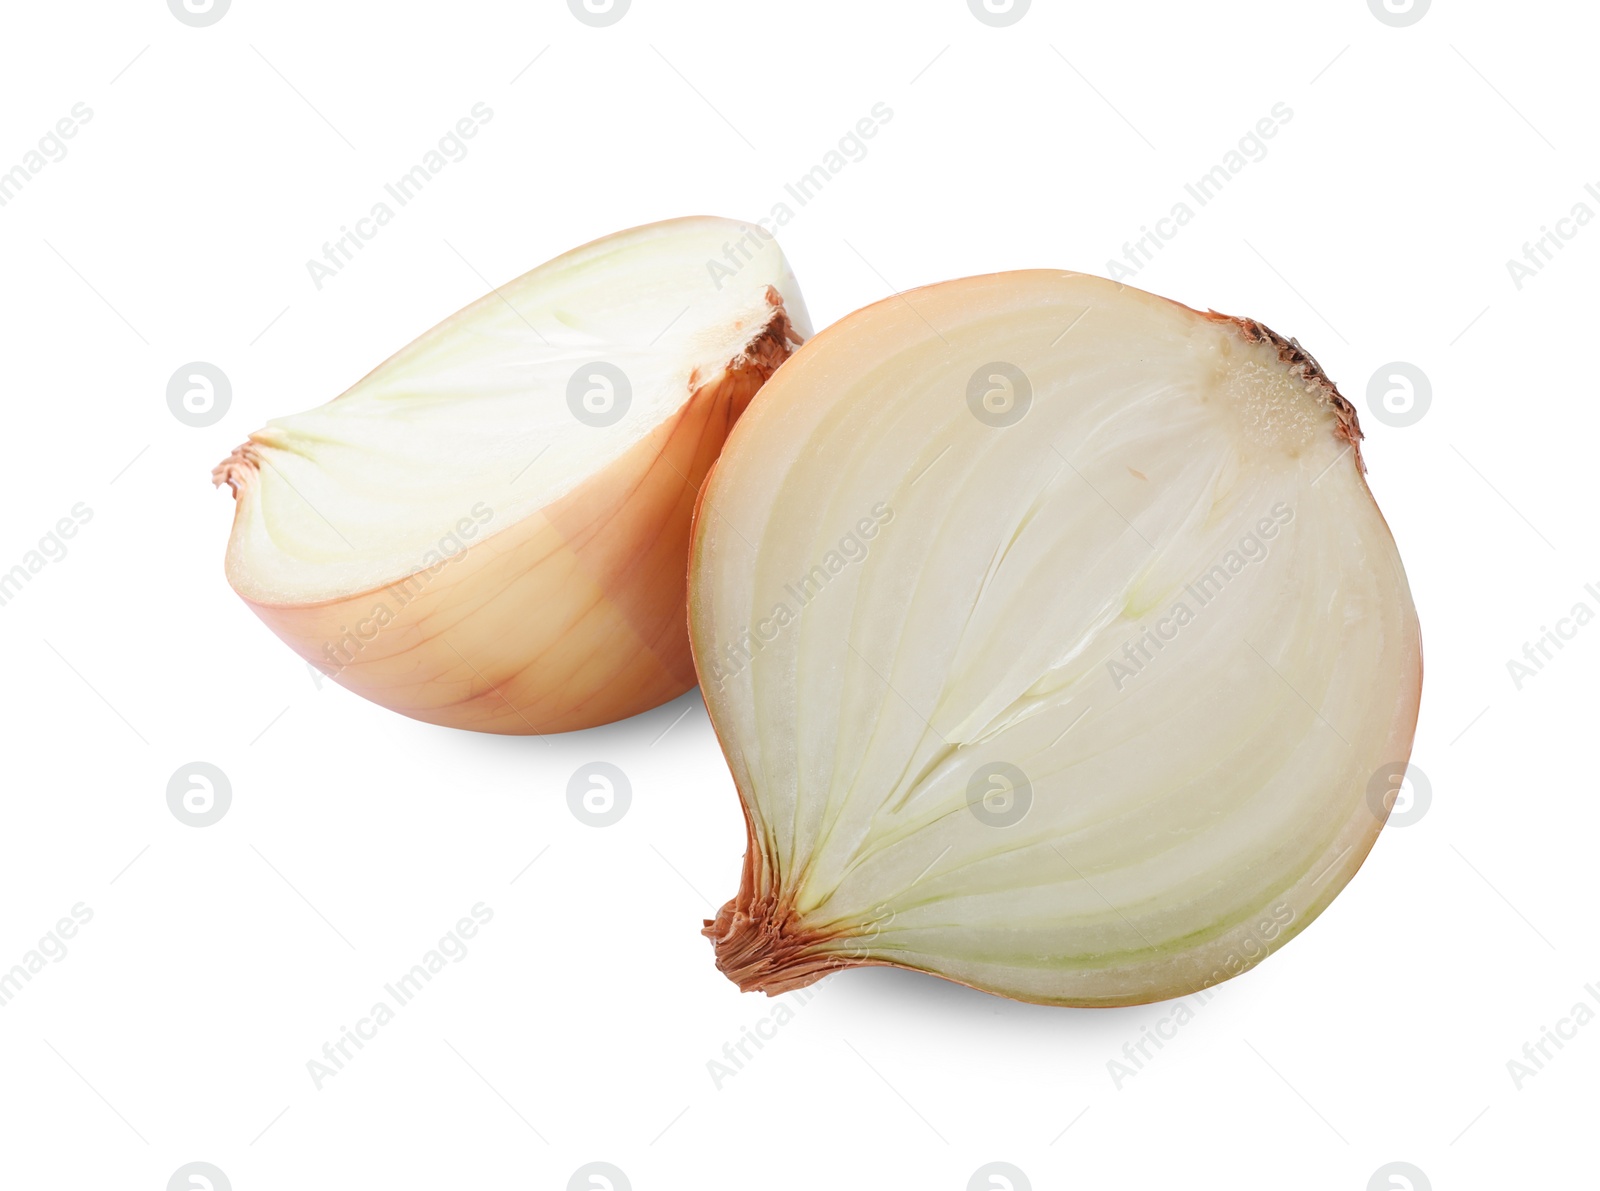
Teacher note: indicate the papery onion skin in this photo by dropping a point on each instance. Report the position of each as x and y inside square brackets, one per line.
[764, 939]
[569, 618]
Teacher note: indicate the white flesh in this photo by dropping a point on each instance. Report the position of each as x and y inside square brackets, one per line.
[357, 493]
[1190, 812]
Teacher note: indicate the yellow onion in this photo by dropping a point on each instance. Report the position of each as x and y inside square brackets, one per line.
[490, 530]
[1055, 643]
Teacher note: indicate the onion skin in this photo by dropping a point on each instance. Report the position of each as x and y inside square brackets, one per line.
[762, 941]
[572, 617]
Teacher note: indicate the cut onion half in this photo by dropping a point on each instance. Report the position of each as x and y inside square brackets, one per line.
[1054, 641]
[490, 530]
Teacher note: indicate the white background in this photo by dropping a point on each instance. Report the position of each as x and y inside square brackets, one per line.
[579, 1028]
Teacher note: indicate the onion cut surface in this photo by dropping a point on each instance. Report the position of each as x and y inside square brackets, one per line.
[1053, 639]
[490, 530]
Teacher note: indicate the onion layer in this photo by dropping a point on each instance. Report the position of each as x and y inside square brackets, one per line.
[490, 530]
[1053, 639]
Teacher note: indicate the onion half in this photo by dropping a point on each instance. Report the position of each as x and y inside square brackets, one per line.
[490, 530]
[1054, 641]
